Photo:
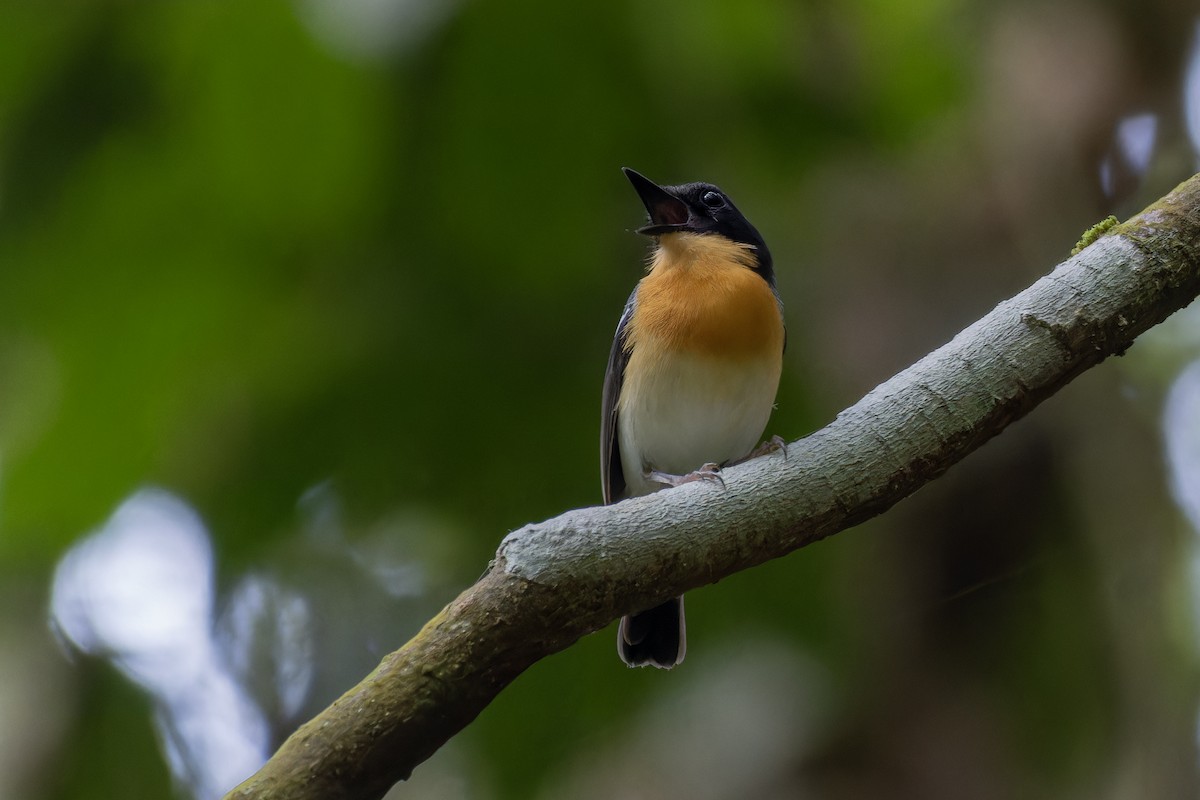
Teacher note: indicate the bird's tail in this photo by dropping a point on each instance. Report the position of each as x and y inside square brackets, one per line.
[655, 637]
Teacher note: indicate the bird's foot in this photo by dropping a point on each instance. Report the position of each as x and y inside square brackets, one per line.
[710, 473]
[775, 444]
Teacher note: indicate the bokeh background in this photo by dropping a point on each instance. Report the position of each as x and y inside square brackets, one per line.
[304, 305]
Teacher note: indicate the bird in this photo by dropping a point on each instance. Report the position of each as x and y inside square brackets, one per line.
[693, 371]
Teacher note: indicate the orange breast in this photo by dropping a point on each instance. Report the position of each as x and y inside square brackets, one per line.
[701, 297]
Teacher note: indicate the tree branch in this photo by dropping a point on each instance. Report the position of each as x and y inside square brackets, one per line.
[553, 582]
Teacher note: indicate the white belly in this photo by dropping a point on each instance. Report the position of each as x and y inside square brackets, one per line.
[686, 410]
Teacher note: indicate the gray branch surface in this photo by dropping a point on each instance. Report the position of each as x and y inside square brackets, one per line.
[556, 581]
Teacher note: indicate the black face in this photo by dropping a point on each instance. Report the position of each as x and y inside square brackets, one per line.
[696, 208]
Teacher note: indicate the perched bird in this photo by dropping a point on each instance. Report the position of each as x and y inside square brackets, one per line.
[693, 371]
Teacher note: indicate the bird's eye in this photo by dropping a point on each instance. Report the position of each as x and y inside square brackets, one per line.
[712, 199]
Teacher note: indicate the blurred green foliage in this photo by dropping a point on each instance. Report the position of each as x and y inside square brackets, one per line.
[240, 258]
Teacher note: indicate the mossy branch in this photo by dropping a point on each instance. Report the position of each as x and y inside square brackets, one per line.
[558, 580]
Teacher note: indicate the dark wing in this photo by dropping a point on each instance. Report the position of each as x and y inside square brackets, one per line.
[611, 475]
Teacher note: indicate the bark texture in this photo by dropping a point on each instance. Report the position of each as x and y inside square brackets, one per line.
[555, 581]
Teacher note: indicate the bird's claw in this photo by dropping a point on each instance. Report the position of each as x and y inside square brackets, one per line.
[709, 473]
[775, 444]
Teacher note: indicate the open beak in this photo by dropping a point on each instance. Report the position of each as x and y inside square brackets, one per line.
[668, 214]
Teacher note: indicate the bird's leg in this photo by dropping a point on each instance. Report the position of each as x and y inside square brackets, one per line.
[775, 444]
[710, 473]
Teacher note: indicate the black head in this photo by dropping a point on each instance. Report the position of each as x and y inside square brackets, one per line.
[697, 208]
